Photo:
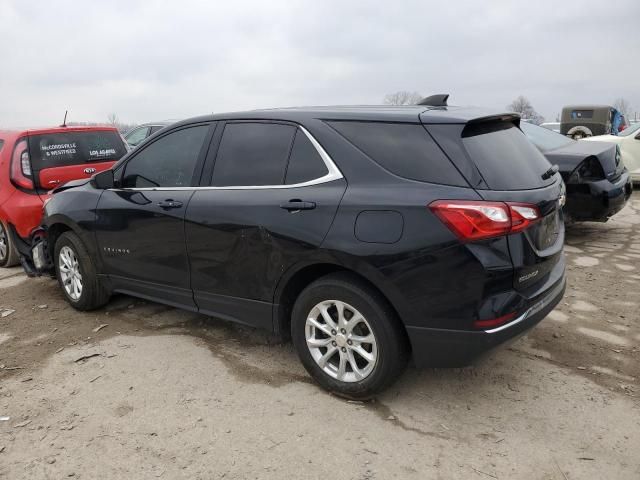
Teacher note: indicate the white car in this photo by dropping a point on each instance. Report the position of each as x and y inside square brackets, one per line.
[629, 142]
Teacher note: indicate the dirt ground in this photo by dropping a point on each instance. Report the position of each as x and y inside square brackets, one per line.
[160, 393]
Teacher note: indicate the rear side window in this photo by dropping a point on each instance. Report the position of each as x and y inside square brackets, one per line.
[506, 159]
[169, 161]
[305, 163]
[253, 154]
[74, 148]
[1, 144]
[406, 150]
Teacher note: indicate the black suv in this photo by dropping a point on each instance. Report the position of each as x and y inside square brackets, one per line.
[369, 234]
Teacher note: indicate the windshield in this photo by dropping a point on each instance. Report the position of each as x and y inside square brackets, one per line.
[543, 138]
[630, 130]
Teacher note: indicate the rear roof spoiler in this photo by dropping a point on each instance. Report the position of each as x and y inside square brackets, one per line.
[501, 117]
[490, 123]
[438, 100]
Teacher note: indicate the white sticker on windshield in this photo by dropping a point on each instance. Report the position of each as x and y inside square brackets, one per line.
[58, 149]
[105, 152]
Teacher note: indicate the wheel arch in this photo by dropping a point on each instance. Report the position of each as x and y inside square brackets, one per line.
[56, 225]
[297, 278]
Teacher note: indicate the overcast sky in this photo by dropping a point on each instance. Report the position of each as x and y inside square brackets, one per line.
[146, 60]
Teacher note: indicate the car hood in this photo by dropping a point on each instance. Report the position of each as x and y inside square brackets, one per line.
[570, 156]
[71, 184]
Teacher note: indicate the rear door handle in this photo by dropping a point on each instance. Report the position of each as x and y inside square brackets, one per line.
[297, 205]
[168, 204]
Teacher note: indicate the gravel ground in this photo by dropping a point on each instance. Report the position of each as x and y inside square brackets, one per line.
[160, 393]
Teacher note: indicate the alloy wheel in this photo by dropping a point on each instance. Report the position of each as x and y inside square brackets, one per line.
[70, 273]
[341, 341]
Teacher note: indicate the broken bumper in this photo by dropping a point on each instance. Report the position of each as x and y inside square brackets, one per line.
[34, 255]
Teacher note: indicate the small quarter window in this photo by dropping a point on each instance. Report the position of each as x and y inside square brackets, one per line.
[305, 163]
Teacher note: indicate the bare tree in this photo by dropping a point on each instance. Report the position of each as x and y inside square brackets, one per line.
[623, 106]
[112, 118]
[402, 97]
[523, 107]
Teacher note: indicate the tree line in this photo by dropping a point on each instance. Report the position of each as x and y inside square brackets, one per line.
[520, 105]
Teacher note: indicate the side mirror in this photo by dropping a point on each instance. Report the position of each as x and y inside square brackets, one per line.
[103, 180]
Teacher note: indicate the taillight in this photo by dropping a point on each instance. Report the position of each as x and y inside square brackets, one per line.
[475, 220]
[21, 166]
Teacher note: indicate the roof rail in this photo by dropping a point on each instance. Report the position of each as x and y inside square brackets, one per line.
[438, 100]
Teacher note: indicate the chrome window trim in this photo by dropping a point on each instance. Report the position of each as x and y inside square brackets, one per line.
[334, 173]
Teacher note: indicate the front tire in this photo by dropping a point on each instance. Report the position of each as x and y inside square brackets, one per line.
[8, 253]
[76, 274]
[348, 337]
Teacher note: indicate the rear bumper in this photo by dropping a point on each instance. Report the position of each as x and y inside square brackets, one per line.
[599, 200]
[434, 347]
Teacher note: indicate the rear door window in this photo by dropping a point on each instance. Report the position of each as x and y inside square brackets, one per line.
[253, 154]
[64, 149]
[305, 163]
[506, 159]
[406, 150]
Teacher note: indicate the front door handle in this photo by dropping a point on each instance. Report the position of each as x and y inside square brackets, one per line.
[168, 204]
[297, 205]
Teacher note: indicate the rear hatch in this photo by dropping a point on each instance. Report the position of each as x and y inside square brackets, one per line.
[503, 166]
[61, 156]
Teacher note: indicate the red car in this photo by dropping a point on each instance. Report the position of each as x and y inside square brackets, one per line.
[34, 162]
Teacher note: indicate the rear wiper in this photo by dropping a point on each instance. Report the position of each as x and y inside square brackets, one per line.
[550, 173]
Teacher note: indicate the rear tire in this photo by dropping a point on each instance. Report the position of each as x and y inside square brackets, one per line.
[366, 334]
[8, 254]
[76, 274]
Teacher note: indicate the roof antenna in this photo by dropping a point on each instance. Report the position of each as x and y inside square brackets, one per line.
[439, 100]
[64, 122]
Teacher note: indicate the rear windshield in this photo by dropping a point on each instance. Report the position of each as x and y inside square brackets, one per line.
[582, 114]
[74, 148]
[506, 159]
[406, 150]
[544, 138]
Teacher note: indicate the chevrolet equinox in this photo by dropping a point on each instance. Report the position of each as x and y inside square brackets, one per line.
[370, 235]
